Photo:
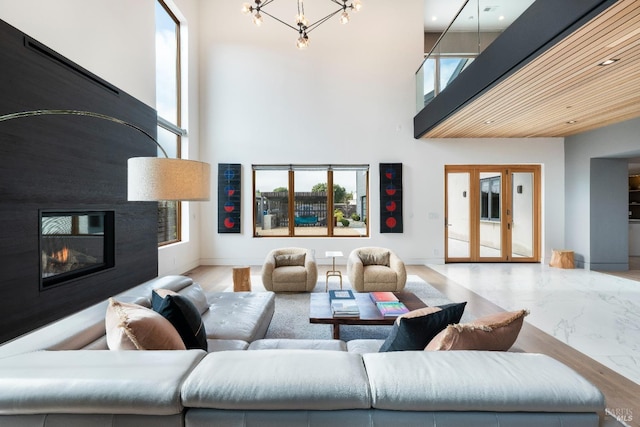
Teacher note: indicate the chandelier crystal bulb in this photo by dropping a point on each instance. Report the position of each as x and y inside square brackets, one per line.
[301, 19]
[302, 42]
[246, 8]
[302, 25]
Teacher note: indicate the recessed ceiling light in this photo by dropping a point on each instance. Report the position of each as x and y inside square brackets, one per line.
[608, 62]
[501, 18]
[434, 18]
[571, 122]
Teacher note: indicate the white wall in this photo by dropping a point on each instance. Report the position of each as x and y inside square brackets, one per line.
[349, 98]
[112, 39]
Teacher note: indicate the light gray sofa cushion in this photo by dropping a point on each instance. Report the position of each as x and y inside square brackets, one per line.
[95, 382]
[172, 282]
[226, 345]
[238, 315]
[197, 296]
[278, 380]
[363, 346]
[300, 344]
[477, 381]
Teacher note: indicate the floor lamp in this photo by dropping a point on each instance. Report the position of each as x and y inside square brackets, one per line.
[149, 178]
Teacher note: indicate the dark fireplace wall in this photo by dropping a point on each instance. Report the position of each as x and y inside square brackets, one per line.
[65, 163]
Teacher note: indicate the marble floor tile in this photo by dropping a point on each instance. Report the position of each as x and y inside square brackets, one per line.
[595, 313]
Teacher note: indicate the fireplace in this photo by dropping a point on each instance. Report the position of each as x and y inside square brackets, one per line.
[75, 244]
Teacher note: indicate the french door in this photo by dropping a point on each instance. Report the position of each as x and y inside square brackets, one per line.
[492, 213]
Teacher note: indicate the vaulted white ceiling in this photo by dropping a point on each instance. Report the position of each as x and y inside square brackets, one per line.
[489, 12]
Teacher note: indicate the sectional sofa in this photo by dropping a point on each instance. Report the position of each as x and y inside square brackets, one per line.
[64, 374]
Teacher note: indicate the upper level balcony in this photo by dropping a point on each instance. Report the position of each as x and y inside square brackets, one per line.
[560, 68]
[453, 45]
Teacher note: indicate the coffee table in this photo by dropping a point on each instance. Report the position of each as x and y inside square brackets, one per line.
[320, 310]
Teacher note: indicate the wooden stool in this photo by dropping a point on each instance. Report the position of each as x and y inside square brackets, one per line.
[562, 259]
[241, 279]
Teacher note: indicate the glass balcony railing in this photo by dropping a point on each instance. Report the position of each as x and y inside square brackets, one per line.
[451, 51]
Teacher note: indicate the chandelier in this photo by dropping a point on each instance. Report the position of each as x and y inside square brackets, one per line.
[302, 25]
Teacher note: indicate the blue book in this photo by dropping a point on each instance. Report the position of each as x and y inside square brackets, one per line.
[341, 294]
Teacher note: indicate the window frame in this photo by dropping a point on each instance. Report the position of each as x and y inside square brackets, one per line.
[174, 128]
[362, 203]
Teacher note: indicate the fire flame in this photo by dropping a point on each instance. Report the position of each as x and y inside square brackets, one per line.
[61, 256]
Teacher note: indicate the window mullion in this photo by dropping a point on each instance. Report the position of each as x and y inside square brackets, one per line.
[330, 206]
[291, 207]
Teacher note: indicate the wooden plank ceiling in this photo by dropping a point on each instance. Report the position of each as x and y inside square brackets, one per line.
[564, 91]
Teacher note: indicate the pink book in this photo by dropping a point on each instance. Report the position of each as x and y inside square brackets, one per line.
[382, 297]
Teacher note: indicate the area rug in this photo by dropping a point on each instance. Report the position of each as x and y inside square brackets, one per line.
[291, 318]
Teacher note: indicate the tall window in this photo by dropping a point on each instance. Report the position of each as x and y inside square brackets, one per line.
[295, 200]
[168, 107]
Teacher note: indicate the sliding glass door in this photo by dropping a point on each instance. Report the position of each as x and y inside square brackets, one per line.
[492, 213]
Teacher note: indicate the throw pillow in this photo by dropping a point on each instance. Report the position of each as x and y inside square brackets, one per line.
[196, 296]
[414, 330]
[133, 327]
[288, 260]
[496, 332]
[183, 315]
[377, 258]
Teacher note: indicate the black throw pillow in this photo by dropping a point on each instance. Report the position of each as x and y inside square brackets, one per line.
[414, 333]
[184, 316]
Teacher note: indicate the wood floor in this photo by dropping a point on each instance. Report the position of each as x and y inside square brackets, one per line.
[632, 274]
[620, 393]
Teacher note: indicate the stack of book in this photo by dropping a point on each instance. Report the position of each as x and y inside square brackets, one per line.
[343, 304]
[388, 304]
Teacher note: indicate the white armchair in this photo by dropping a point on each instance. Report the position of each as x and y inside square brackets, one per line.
[290, 270]
[376, 269]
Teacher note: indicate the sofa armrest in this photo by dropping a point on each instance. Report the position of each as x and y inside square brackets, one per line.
[95, 382]
[267, 270]
[312, 269]
[355, 271]
[397, 265]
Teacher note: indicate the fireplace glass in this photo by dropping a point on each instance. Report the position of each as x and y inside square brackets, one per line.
[75, 244]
